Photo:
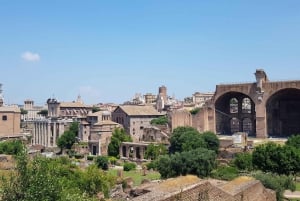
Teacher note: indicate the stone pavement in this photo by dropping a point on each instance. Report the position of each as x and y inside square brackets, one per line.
[291, 195]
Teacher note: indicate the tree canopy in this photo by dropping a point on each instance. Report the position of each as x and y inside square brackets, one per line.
[54, 179]
[199, 162]
[294, 141]
[271, 157]
[159, 121]
[118, 136]
[68, 138]
[155, 150]
[187, 138]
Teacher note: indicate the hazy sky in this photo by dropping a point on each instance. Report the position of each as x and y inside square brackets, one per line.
[106, 51]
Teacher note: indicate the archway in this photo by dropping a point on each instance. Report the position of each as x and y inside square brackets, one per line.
[283, 113]
[235, 112]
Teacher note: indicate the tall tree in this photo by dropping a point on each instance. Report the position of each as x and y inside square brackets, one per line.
[155, 150]
[118, 136]
[68, 138]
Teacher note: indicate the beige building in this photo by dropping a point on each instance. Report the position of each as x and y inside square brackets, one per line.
[32, 111]
[10, 121]
[75, 109]
[97, 130]
[199, 99]
[134, 118]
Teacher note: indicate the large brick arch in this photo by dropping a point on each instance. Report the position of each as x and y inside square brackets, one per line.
[260, 93]
[283, 112]
[239, 118]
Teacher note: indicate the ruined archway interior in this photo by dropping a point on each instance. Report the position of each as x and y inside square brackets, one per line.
[235, 112]
[283, 113]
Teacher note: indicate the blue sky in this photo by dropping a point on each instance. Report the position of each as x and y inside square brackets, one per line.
[109, 50]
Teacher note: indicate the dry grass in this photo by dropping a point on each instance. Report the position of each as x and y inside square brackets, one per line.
[179, 182]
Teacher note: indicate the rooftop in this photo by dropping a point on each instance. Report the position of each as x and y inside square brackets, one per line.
[139, 110]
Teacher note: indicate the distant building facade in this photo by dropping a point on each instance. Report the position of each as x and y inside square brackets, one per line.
[134, 118]
[97, 130]
[32, 111]
[10, 119]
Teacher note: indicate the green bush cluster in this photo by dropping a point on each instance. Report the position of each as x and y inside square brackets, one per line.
[102, 162]
[12, 147]
[129, 166]
[54, 179]
[276, 182]
[224, 172]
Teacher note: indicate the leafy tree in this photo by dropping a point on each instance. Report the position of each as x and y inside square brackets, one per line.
[164, 167]
[211, 140]
[185, 138]
[23, 111]
[271, 157]
[155, 150]
[243, 161]
[43, 113]
[118, 136]
[102, 162]
[159, 121]
[199, 162]
[294, 141]
[68, 138]
[265, 157]
[53, 179]
[13, 147]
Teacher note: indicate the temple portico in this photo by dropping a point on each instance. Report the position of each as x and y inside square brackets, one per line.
[133, 150]
[47, 131]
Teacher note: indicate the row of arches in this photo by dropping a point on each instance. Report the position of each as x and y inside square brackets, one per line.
[235, 112]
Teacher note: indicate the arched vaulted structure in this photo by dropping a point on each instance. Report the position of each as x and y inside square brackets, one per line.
[283, 112]
[262, 108]
[235, 112]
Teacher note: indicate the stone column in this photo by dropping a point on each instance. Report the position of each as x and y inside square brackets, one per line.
[134, 152]
[240, 114]
[54, 134]
[38, 133]
[49, 134]
[142, 152]
[33, 134]
[44, 134]
[127, 151]
[261, 120]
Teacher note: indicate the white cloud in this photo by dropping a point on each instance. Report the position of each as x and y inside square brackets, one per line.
[29, 56]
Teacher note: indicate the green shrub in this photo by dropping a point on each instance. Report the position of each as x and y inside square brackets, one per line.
[243, 161]
[129, 166]
[112, 160]
[90, 158]
[79, 156]
[278, 183]
[102, 162]
[11, 147]
[225, 173]
[152, 165]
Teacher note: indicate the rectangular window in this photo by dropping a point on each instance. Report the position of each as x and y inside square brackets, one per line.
[4, 117]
